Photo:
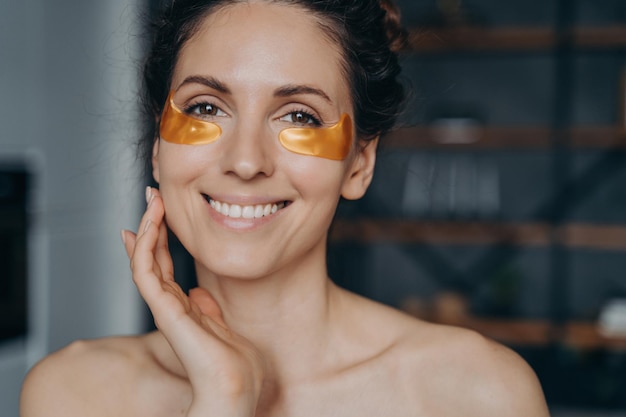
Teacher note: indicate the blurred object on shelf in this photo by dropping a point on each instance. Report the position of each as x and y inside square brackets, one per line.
[458, 13]
[612, 320]
[451, 186]
[456, 130]
[452, 13]
[451, 308]
[416, 307]
[501, 292]
[456, 122]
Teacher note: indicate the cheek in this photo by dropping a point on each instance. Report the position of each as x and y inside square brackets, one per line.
[182, 163]
[314, 176]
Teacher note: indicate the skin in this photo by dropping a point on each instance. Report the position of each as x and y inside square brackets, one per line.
[267, 333]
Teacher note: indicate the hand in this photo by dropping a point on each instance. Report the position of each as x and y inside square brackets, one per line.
[224, 369]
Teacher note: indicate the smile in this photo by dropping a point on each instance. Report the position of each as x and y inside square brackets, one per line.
[237, 211]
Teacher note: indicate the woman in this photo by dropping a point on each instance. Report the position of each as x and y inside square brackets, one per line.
[268, 112]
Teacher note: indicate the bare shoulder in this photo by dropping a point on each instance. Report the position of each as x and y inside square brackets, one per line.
[448, 371]
[72, 381]
[467, 371]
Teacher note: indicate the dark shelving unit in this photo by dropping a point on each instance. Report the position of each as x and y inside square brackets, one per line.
[430, 262]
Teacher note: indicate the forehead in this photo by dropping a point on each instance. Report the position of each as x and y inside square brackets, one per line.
[258, 44]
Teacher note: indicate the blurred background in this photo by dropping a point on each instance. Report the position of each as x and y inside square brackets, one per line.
[500, 205]
[69, 180]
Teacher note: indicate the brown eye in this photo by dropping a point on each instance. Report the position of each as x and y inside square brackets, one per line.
[301, 118]
[207, 109]
[204, 110]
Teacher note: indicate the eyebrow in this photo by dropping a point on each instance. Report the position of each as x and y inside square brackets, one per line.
[285, 91]
[211, 82]
[293, 90]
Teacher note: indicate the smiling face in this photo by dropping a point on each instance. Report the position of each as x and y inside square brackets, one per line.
[244, 205]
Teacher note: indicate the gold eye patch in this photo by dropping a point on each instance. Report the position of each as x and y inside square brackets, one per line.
[182, 129]
[331, 143]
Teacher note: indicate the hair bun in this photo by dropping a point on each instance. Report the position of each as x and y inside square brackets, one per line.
[396, 33]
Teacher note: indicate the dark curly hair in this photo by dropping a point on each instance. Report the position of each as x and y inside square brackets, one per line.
[368, 31]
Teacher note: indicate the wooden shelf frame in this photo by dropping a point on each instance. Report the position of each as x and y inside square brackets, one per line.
[506, 40]
[511, 39]
[452, 309]
[479, 39]
[582, 236]
[582, 335]
[507, 137]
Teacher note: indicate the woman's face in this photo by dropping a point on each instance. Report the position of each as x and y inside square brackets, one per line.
[255, 69]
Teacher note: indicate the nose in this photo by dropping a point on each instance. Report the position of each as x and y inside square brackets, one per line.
[247, 151]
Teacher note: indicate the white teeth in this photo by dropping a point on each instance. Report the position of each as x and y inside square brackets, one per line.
[248, 212]
[236, 211]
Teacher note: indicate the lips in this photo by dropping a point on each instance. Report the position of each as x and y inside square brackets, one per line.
[237, 211]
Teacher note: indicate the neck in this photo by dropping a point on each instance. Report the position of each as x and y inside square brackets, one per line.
[285, 315]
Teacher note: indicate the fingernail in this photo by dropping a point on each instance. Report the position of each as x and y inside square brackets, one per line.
[123, 236]
[148, 194]
[147, 226]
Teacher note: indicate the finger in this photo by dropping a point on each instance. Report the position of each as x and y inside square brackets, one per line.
[162, 296]
[207, 304]
[145, 217]
[162, 252]
[128, 238]
[143, 262]
[154, 212]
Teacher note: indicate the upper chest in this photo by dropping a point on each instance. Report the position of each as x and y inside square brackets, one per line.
[383, 387]
[376, 390]
[370, 391]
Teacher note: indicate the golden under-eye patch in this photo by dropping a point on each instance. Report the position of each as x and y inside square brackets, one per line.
[331, 143]
[180, 128]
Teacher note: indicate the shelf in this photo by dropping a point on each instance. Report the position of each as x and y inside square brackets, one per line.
[476, 39]
[604, 237]
[513, 332]
[585, 335]
[539, 333]
[575, 334]
[452, 309]
[600, 37]
[595, 236]
[504, 137]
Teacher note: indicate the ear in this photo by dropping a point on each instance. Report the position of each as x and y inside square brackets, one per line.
[155, 160]
[360, 174]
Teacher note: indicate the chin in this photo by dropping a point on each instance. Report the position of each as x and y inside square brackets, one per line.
[236, 267]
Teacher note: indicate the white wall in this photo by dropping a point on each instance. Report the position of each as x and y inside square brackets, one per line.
[67, 83]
